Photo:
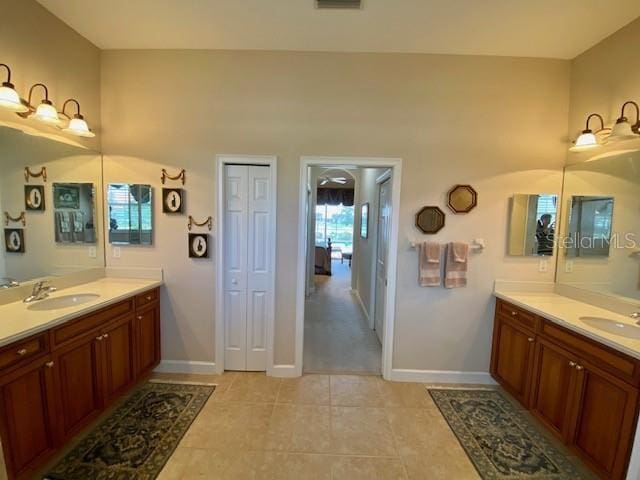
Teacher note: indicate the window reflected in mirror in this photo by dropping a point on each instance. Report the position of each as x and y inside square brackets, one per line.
[130, 210]
[589, 226]
[74, 213]
[532, 226]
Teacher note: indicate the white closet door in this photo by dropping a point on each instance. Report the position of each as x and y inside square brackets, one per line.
[235, 265]
[247, 267]
[258, 268]
[384, 226]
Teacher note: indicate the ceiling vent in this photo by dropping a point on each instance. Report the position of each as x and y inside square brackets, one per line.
[342, 4]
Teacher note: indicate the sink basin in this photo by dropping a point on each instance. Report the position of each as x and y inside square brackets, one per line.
[611, 326]
[62, 301]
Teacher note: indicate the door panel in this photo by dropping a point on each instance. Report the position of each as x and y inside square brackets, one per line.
[554, 384]
[119, 359]
[607, 417]
[26, 416]
[384, 227]
[147, 333]
[80, 379]
[513, 361]
[259, 270]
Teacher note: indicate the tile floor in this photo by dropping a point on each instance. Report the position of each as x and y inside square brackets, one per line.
[317, 427]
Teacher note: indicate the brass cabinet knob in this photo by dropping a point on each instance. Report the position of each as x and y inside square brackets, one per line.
[579, 367]
[99, 338]
[22, 352]
[572, 364]
[530, 339]
[148, 298]
[49, 364]
[140, 317]
[514, 313]
[106, 335]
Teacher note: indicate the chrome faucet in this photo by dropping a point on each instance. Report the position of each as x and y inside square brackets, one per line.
[7, 282]
[635, 316]
[41, 290]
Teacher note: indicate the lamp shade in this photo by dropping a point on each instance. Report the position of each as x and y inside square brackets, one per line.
[10, 100]
[77, 126]
[46, 113]
[622, 131]
[585, 141]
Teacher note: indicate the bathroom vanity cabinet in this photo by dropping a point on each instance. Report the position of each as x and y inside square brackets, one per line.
[585, 392]
[56, 382]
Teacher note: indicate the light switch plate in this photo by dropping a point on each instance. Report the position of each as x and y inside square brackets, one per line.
[92, 252]
[568, 266]
[116, 252]
[543, 266]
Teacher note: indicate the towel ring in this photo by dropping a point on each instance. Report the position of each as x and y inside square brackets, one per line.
[207, 221]
[28, 173]
[20, 218]
[180, 176]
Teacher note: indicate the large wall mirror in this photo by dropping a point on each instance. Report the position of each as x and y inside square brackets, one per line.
[130, 213]
[532, 224]
[60, 231]
[600, 242]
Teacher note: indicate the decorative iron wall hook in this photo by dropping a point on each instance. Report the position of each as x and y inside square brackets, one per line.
[20, 218]
[208, 222]
[180, 176]
[42, 173]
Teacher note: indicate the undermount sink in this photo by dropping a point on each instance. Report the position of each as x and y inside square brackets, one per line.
[63, 301]
[611, 326]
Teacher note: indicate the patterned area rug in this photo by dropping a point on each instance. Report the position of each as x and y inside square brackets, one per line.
[501, 443]
[138, 438]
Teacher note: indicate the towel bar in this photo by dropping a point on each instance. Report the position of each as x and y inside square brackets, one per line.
[476, 245]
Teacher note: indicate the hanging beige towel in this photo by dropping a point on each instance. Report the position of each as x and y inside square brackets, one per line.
[455, 275]
[429, 260]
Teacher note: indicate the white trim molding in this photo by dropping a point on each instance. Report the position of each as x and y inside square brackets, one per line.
[283, 371]
[187, 366]
[222, 160]
[356, 294]
[395, 164]
[441, 376]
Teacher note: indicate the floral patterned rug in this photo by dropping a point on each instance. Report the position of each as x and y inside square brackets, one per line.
[501, 443]
[137, 439]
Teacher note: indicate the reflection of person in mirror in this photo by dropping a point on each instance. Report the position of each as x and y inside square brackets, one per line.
[545, 231]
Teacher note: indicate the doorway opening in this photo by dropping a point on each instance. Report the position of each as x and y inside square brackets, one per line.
[347, 264]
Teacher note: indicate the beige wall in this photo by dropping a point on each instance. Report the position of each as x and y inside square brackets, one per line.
[603, 78]
[39, 48]
[497, 123]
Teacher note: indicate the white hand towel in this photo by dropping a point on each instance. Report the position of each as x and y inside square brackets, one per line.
[429, 264]
[455, 275]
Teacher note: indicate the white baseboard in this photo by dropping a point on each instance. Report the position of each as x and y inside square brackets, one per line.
[187, 366]
[440, 376]
[284, 371]
[356, 294]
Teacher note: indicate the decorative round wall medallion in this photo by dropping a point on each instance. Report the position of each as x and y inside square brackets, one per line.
[430, 220]
[198, 245]
[462, 198]
[172, 200]
[34, 197]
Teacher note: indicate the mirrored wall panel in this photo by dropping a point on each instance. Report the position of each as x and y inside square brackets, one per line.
[130, 214]
[600, 242]
[50, 215]
[532, 225]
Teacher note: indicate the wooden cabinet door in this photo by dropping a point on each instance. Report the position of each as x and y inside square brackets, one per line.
[553, 387]
[27, 411]
[80, 380]
[513, 349]
[118, 358]
[147, 339]
[604, 422]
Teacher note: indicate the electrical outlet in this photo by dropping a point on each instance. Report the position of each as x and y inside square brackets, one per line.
[92, 252]
[116, 252]
[543, 266]
[568, 266]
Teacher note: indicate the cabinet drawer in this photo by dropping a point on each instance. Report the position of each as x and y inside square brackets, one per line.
[92, 321]
[526, 319]
[609, 360]
[146, 298]
[23, 351]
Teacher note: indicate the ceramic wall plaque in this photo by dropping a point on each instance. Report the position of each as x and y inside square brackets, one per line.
[462, 198]
[34, 197]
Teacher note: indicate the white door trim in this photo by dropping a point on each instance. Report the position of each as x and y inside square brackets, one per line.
[222, 160]
[376, 162]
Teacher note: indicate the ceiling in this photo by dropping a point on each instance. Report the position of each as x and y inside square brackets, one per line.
[538, 28]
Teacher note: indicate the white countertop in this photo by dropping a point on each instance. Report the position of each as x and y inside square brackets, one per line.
[17, 321]
[566, 312]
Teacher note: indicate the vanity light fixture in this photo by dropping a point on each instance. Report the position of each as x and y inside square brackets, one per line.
[587, 138]
[623, 130]
[9, 98]
[77, 125]
[45, 112]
